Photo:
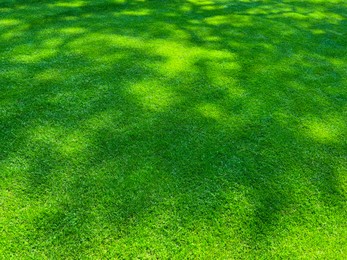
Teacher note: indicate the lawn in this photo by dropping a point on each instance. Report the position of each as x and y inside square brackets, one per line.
[158, 129]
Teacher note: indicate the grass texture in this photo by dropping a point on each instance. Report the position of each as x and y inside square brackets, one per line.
[155, 129]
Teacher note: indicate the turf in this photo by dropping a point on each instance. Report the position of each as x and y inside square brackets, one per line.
[173, 129]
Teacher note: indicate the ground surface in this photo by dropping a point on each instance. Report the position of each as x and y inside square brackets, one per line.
[173, 129]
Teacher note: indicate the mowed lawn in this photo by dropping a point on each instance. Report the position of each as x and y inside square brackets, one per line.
[185, 129]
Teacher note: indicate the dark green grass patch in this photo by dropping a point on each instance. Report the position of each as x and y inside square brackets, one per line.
[173, 129]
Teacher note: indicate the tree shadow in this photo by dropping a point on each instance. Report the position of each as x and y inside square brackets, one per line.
[143, 124]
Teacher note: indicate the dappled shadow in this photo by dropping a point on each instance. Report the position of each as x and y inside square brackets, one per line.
[172, 128]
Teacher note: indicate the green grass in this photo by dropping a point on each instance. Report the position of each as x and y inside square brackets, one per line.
[173, 129]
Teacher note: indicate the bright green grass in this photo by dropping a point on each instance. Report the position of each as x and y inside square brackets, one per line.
[173, 129]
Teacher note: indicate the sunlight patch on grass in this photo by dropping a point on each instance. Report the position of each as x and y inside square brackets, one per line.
[28, 54]
[70, 145]
[235, 20]
[186, 7]
[179, 57]
[104, 119]
[318, 31]
[47, 134]
[74, 144]
[9, 22]
[73, 30]
[327, 16]
[202, 2]
[19, 31]
[235, 91]
[211, 7]
[74, 3]
[182, 58]
[52, 42]
[277, 8]
[153, 95]
[141, 12]
[93, 45]
[318, 16]
[329, 130]
[216, 113]
[211, 111]
[14, 164]
[222, 71]
[48, 75]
